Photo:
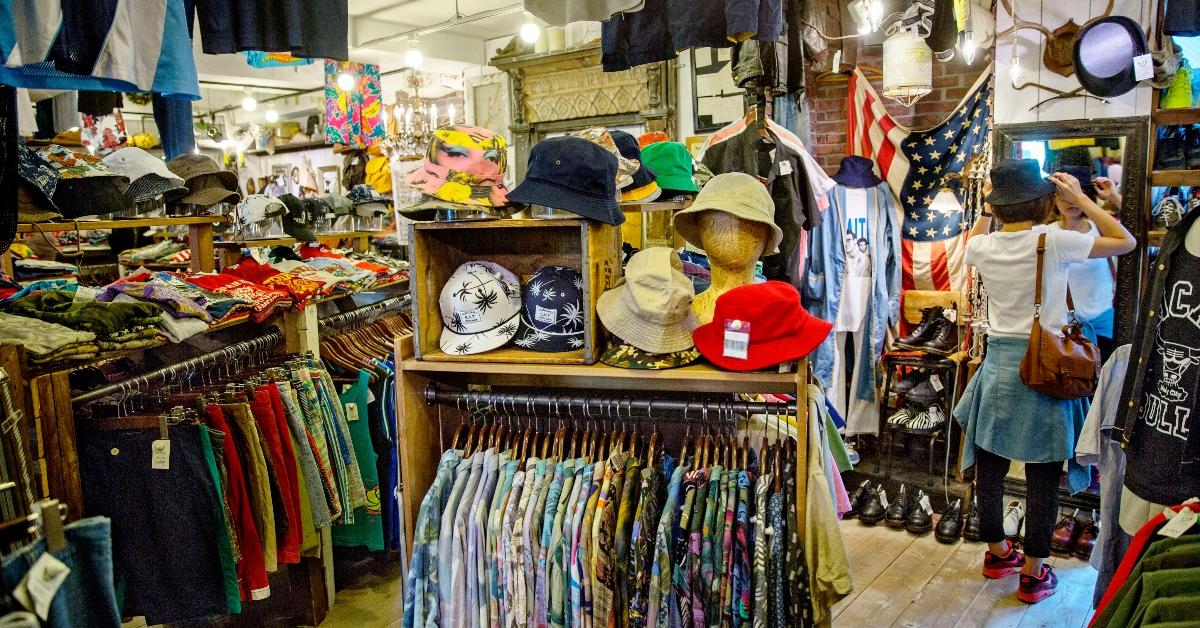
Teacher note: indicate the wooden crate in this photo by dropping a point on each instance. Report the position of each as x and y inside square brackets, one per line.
[436, 249]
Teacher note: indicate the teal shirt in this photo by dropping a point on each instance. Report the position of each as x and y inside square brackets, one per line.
[367, 528]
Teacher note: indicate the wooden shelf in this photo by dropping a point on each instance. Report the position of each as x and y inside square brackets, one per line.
[695, 378]
[655, 206]
[1186, 115]
[288, 241]
[131, 223]
[290, 148]
[1167, 178]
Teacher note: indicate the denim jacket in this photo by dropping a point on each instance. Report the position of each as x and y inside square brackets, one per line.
[1145, 333]
[827, 269]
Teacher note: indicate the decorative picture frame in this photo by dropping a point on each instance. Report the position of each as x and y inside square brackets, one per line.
[716, 100]
[330, 178]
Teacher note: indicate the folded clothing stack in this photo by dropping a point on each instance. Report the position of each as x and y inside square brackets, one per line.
[160, 252]
[27, 269]
[47, 342]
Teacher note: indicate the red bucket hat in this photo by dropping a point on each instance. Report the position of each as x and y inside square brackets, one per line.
[777, 328]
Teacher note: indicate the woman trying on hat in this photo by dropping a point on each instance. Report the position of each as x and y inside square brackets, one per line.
[1004, 420]
[1091, 281]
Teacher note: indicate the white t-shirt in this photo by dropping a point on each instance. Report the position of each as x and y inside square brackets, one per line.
[1007, 263]
[856, 284]
[1091, 282]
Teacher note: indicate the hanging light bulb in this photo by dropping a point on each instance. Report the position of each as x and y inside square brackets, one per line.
[249, 103]
[969, 47]
[530, 30]
[875, 14]
[1014, 61]
[345, 82]
[413, 56]
[272, 115]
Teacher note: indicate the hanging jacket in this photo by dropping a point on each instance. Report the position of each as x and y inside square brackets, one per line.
[827, 269]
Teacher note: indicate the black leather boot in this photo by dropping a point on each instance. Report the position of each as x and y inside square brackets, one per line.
[897, 511]
[920, 333]
[942, 338]
[920, 521]
[859, 499]
[873, 512]
[950, 525]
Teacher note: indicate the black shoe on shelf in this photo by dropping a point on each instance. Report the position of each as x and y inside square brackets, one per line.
[1172, 150]
[897, 511]
[908, 382]
[926, 393]
[920, 333]
[971, 524]
[859, 499]
[1193, 147]
[950, 525]
[943, 338]
[873, 511]
[920, 520]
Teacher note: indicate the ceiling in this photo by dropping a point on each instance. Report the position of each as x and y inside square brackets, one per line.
[419, 13]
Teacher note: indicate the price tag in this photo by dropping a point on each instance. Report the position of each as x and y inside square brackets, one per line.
[837, 60]
[951, 315]
[352, 412]
[925, 505]
[785, 168]
[883, 498]
[936, 382]
[1182, 522]
[43, 581]
[1143, 67]
[737, 340]
[160, 454]
[85, 293]
[545, 314]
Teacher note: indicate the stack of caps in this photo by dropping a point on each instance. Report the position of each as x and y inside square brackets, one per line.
[650, 313]
[343, 208]
[150, 179]
[461, 177]
[673, 164]
[72, 184]
[261, 216]
[643, 188]
[369, 207]
[298, 221]
[571, 174]
[207, 183]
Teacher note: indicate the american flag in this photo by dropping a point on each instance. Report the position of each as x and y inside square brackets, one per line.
[915, 164]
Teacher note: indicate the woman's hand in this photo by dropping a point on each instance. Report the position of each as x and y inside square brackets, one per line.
[1068, 188]
[987, 187]
[1107, 191]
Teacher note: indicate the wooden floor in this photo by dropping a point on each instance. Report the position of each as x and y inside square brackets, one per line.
[899, 580]
[904, 580]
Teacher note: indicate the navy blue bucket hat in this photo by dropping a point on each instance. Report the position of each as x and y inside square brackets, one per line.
[857, 172]
[572, 174]
[1017, 181]
[627, 145]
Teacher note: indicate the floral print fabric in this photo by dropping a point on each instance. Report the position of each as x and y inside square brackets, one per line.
[352, 118]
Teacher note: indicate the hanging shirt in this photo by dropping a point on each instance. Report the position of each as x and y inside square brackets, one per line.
[367, 526]
[856, 243]
[305, 28]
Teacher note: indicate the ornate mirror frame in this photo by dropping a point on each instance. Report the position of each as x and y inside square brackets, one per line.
[1131, 268]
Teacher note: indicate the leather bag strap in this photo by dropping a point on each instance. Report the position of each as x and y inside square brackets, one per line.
[1037, 288]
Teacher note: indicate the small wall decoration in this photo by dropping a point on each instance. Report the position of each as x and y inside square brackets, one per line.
[716, 100]
[330, 180]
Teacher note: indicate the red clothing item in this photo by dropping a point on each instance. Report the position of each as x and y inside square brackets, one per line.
[292, 496]
[251, 568]
[300, 289]
[263, 300]
[1134, 554]
[309, 250]
[287, 539]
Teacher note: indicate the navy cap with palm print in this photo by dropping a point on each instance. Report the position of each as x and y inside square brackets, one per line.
[480, 307]
[552, 312]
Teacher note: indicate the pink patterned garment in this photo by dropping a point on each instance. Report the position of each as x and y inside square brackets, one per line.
[353, 118]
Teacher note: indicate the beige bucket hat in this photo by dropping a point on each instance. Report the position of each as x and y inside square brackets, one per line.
[735, 193]
[652, 308]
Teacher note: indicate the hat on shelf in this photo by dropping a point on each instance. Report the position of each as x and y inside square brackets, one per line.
[673, 164]
[602, 138]
[367, 201]
[1017, 181]
[759, 326]
[572, 174]
[480, 307]
[734, 193]
[296, 221]
[463, 165]
[1082, 174]
[651, 308]
[85, 185]
[207, 183]
[341, 205]
[40, 176]
[626, 356]
[552, 314]
[32, 205]
[1104, 55]
[259, 207]
[148, 175]
[643, 189]
[857, 172]
[650, 137]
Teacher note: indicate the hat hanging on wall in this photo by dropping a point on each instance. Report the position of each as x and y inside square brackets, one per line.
[1105, 56]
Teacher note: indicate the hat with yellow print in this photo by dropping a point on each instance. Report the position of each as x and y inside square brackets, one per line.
[463, 165]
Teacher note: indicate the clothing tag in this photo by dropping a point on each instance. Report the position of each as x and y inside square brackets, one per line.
[1181, 523]
[85, 293]
[545, 315]
[470, 317]
[925, 505]
[352, 412]
[1143, 67]
[160, 454]
[737, 340]
[951, 315]
[883, 498]
[346, 388]
[370, 396]
[936, 382]
[43, 582]
[785, 168]
[837, 60]
[1168, 513]
[1191, 500]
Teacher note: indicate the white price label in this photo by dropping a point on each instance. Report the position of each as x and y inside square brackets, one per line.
[352, 412]
[1180, 523]
[160, 454]
[936, 382]
[925, 505]
[737, 345]
[545, 314]
[1143, 67]
[785, 168]
[950, 315]
[43, 581]
[883, 498]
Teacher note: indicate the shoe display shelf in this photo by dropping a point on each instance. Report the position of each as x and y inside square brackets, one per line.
[898, 364]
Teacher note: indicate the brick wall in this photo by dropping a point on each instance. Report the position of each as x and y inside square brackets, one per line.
[827, 103]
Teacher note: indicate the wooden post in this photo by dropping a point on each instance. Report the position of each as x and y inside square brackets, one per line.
[55, 447]
[200, 239]
[418, 439]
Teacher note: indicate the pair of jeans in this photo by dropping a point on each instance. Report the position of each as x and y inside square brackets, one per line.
[1041, 502]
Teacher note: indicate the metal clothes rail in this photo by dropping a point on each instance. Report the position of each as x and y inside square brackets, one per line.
[366, 311]
[200, 362]
[605, 406]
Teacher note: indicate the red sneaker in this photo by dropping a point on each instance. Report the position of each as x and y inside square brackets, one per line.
[999, 566]
[1033, 590]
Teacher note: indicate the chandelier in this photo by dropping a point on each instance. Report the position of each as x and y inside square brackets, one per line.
[412, 123]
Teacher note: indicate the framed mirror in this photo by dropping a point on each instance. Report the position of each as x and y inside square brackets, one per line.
[1114, 148]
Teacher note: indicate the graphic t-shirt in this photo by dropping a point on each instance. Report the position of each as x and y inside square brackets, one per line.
[1156, 467]
[856, 241]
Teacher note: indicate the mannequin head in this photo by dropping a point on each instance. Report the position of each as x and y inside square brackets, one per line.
[730, 241]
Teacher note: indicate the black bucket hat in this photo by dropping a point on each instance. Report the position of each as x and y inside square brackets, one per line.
[572, 174]
[1104, 54]
[1017, 181]
[627, 145]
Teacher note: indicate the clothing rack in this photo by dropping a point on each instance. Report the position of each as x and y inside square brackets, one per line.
[366, 311]
[200, 362]
[604, 407]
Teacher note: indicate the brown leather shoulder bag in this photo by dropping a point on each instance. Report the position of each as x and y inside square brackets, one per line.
[1063, 367]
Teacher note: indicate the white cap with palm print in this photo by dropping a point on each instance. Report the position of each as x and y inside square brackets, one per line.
[480, 307]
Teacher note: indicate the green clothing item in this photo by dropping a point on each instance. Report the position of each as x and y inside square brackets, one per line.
[1155, 585]
[710, 542]
[1178, 608]
[367, 528]
[233, 596]
[836, 447]
[104, 319]
[1161, 554]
